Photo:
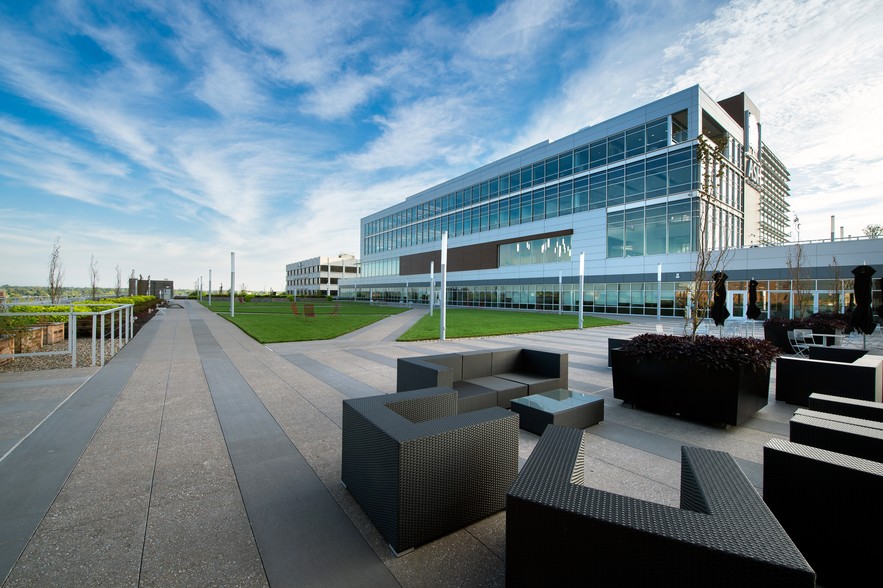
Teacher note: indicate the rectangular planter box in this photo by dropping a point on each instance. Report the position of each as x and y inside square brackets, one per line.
[613, 344]
[725, 397]
[7, 347]
[54, 333]
[29, 340]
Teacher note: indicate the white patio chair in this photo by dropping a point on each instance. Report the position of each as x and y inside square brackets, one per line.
[798, 343]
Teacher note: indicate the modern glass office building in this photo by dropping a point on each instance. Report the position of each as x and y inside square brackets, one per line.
[635, 195]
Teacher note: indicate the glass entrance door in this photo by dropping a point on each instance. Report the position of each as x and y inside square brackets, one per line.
[737, 303]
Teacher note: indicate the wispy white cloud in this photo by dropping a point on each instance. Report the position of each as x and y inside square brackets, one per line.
[812, 67]
[271, 128]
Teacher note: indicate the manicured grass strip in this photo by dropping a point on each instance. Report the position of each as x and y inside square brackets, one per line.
[320, 306]
[467, 322]
[273, 322]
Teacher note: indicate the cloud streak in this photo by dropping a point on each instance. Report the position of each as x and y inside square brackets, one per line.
[163, 135]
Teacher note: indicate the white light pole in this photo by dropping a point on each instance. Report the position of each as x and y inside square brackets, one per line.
[210, 287]
[659, 292]
[232, 281]
[582, 271]
[431, 286]
[443, 298]
[560, 291]
[342, 276]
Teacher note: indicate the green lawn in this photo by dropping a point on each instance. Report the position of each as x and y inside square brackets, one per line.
[274, 322]
[468, 322]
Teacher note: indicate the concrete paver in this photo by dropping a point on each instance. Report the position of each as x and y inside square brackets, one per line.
[200, 457]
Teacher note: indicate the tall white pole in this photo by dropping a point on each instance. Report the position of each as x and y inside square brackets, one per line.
[431, 286]
[582, 272]
[443, 302]
[560, 290]
[232, 281]
[210, 287]
[659, 292]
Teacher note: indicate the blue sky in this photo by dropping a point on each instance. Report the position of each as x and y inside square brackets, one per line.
[159, 136]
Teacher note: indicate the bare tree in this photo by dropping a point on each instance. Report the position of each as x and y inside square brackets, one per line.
[800, 291]
[841, 285]
[118, 289]
[56, 272]
[710, 158]
[93, 276]
[873, 231]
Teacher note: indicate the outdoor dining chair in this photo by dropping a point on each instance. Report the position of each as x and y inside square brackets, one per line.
[798, 342]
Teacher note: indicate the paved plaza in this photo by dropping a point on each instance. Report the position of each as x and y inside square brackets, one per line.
[199, 457]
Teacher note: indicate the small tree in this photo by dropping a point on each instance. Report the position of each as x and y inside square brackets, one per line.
[118, 290]
[56, 272]
[873, 231]
[841, 285]
[710, 158]
[93, 277]
[800, 291]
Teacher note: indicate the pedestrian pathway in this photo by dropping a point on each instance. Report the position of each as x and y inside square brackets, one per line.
[199, 457]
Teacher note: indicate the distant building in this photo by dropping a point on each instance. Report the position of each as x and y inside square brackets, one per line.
[140, 286]
[319, 276]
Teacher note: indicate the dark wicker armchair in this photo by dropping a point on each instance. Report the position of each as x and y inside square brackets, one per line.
[419, 470]
[829, 504]
[561, 533]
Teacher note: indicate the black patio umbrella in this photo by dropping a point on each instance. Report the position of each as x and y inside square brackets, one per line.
[880, 308]
[863, 316]
[719, 312]
[753, 311]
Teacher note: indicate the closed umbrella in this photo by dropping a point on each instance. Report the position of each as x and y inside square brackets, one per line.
[753, 311]
[862, 319]
[719, 312]
[880, 308]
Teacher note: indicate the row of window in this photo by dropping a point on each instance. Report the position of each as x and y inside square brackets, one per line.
[617, 147]
[775, 297]
[666, 174]
[315, 269]
[651, 230]
[551, 250]
[308, 281]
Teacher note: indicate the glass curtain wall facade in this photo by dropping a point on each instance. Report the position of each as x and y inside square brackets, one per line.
[642, 186]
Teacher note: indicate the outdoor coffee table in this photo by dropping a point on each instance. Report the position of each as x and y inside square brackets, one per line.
[558, 407]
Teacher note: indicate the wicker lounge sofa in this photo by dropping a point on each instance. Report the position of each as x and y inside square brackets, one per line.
[860, 409]
[828, 502]
[797, 378]
[485, 378]
[842, 434]
[561, 533]
[420, 470]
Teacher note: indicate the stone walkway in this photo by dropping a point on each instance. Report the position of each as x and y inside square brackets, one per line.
[200, 457]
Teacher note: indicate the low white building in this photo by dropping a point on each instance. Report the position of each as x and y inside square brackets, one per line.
[319, 276]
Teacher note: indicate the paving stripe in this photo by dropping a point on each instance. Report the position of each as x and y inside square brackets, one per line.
[349, 387]
[32, 475]
[303, 536]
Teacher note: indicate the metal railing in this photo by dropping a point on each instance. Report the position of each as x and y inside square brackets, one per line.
[121, 321]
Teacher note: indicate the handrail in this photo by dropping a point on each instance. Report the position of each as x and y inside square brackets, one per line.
[121, 313]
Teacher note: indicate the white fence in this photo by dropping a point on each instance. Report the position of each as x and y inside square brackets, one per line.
[119, 332]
